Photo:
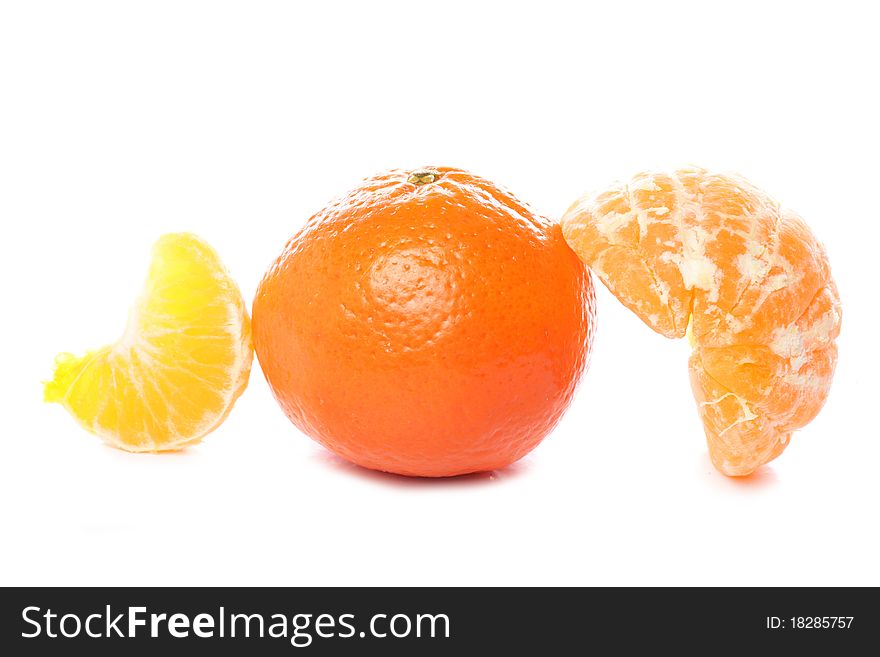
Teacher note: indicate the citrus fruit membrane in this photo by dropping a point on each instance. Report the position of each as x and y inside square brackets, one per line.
[428, 324]
[182, 362]
[710, 254]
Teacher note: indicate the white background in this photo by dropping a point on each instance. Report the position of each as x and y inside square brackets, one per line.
[121, 121]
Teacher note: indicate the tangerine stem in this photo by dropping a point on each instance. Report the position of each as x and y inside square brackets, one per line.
[423, 176]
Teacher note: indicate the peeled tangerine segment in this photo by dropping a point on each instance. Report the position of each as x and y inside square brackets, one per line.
[184, 359]
[710, 254]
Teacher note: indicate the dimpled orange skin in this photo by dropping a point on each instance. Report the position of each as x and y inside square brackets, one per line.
[426, 324]
[713, 252]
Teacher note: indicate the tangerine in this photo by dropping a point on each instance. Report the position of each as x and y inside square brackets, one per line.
[712, 253]
[183, 361]
[426, 324]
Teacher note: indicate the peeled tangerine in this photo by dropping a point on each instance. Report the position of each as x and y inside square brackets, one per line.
[711, 252]
[184, 359]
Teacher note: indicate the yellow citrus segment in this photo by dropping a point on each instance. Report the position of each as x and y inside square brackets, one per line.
[711, 256]
[184, 359]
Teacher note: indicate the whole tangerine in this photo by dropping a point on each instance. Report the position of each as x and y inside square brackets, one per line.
[426, 324]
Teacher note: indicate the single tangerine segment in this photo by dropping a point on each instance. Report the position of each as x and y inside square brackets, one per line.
[427, 324]
[182, 362]
[711, 255]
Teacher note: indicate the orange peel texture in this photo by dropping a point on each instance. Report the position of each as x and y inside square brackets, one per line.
[710, 254]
